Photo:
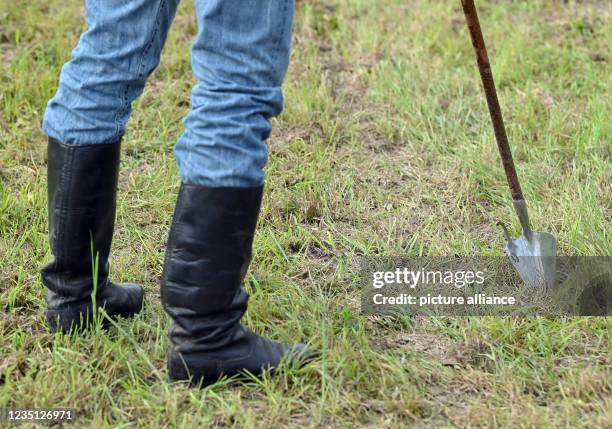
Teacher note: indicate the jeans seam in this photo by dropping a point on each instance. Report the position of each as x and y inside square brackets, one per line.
[146, 50]
[281, 36]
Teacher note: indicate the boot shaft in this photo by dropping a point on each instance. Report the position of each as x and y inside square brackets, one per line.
[82, 189]
[207, 256]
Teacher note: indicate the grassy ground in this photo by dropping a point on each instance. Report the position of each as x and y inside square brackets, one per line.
[384, 148]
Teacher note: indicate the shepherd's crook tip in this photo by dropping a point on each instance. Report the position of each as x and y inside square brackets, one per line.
[506, 233]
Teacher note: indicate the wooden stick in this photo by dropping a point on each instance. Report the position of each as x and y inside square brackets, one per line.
[484, 66]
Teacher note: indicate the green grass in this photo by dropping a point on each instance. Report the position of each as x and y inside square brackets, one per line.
[384, 148]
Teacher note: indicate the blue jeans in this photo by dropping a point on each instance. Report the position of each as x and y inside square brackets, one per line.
[239, 58]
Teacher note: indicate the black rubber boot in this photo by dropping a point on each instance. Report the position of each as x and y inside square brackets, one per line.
[207, 257]
[82, 187]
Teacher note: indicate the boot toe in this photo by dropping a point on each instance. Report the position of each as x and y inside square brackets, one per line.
[302, 353]
[135, 297]
[123, 299]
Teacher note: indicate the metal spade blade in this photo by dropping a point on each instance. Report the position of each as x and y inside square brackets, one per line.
[535, 259]
[533, 254]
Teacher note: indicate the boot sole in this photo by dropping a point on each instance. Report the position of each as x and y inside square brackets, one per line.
[81, 318]
[178, 371]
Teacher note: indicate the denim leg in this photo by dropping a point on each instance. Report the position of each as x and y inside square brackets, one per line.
[108, 69]
[240, 58]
